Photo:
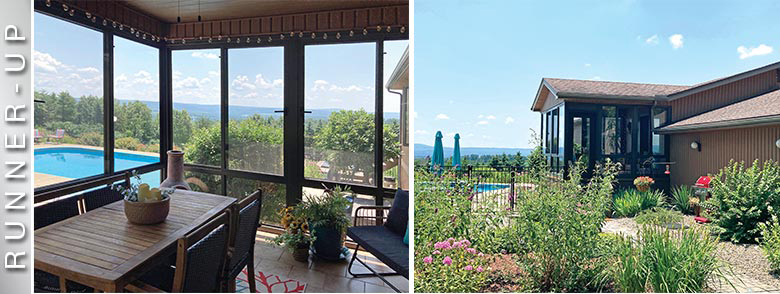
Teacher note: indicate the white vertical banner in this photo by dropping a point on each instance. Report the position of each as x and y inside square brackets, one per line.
[16, 94]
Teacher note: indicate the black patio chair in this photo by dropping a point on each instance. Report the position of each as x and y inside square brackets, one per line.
[241, 251]
[103, 196]
[200, 262]
[382, 233]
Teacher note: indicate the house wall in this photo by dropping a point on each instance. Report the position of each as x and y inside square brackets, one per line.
[717, 148]
[723, 95]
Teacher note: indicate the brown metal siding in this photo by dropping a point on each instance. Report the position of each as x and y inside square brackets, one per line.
[724, 95]
[717, 148]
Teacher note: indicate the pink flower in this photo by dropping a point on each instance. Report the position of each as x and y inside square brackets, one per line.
[480, 254]
[456, 244]
[428, 259]
[480, 269]
[436, 252]
[450, 239]
[447, 260]
[444, 245]
[468, 268]
[471, 250]
[466, 241]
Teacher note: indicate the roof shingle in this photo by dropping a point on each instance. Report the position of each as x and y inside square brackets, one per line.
[605, 88]
[766, 105]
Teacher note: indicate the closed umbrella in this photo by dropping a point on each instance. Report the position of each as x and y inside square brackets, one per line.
[456, 153]
[437, 160]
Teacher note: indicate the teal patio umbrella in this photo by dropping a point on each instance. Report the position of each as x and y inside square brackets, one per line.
[456, 153]
[438, 152]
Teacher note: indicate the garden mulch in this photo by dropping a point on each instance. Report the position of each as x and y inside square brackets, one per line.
[750, 271]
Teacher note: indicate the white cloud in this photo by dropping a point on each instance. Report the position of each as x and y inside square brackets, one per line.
[482, 122]
[322, 85]
[509, 120]
[490, 117]
[653, 40]
[596, 78]
[480, 116]
[200, 54]
[442, 116]
[587, 65]
[451, 134]
[676, 40]
[266, 84]
[88, 69]
[745, 52]
[45, 61]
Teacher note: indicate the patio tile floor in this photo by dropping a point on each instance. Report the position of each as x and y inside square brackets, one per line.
[322, 276]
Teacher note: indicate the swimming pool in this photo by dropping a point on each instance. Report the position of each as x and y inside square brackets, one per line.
[75, 163]
[491, 187]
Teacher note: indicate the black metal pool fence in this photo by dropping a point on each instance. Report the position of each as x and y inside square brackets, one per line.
[495, 186]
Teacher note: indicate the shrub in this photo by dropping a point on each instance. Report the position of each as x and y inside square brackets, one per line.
[127, 143]
[659, 217]
[770, 242]
[681, 196]
[91, 139]
[742, 198]
[662, 260]
[452, 266]
[559, 228]
[629, 202]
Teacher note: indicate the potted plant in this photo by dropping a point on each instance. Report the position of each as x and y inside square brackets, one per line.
[328, 221]
[643, 183]
[296, 237]
[144, 205]
[694, 203]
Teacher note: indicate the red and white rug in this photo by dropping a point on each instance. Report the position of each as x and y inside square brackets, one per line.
[269, 283]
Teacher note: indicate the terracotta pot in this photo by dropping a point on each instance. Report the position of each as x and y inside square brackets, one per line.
[643, 188]
[175, 175]
[301, 253]
[147, 213]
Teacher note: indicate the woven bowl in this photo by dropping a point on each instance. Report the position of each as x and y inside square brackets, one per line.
[147, 213]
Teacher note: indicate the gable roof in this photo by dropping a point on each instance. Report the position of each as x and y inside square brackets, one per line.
[762, 109]
[570, 88]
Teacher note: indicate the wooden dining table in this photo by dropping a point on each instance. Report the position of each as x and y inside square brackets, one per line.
[101, 249]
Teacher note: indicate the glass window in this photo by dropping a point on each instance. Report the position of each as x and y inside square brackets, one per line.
[204, 182]
[659, 141]
[68, 139]
[395, 105]
[196, 106]
[340, 95]
[609, 130]
[273, 196]
[136, 105]
[255, 130]
[561, 133]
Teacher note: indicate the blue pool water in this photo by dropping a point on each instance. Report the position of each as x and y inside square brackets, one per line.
[491, 187]
[74, 162]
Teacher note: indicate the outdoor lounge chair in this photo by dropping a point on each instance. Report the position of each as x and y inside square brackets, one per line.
[38, 135]
[200, 261]
[58, 135]
[382, 235]
[241, 251]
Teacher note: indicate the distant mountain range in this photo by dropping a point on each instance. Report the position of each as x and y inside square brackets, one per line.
[422, 150]
[241, 112]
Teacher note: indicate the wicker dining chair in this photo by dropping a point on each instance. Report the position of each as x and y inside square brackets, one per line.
[200, 262]
[241, 251]
[106, 195]
[47, 214]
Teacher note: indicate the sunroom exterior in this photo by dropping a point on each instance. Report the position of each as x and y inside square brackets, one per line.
[649, 128]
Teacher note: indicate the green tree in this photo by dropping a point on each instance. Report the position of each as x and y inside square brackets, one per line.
[182, 127]
[90, 109]
[134, 119]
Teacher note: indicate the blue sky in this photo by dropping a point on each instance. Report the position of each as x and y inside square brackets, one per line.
[68, 57]
[478, 64]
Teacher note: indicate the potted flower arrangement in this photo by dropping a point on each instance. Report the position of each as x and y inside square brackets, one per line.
[144, 205]
[296, 237]
[328, 221]
[643, 183]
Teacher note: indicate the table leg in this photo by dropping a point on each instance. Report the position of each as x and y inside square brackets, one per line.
[63, 285]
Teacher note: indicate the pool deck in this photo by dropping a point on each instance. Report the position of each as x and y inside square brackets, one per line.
[41, 179]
